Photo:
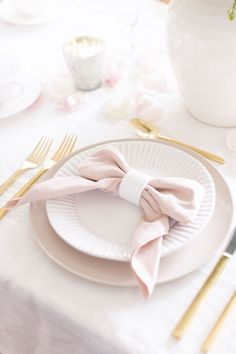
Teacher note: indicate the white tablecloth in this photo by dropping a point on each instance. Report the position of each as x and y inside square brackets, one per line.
[45, 309]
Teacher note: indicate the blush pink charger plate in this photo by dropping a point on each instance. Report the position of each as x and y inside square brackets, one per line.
[210, 241]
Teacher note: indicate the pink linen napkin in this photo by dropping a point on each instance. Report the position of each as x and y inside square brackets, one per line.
[159, 199]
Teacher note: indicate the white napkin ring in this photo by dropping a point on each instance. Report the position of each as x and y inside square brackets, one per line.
[132, 186]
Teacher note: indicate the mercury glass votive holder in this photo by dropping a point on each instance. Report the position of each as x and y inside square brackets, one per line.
[84, 57]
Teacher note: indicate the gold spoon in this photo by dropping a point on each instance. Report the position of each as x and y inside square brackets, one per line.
[148, 130]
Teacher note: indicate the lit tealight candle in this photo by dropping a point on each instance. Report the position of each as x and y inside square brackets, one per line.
[84, 57]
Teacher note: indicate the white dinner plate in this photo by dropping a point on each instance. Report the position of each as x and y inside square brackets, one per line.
[31, 90]
[210, 241]
[102, 224]
[9, 14]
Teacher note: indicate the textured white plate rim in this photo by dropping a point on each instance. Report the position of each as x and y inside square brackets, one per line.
[99, 247]
[9, 14]
[172, 267]
[32, 89]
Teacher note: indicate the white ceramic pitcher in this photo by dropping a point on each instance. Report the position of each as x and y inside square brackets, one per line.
[202, 48]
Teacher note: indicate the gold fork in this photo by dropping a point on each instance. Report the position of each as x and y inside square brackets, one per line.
[66, 148]
[35, 158]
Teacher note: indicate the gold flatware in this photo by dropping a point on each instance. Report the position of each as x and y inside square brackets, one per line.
[66, 148]
[148, 130]
[191, 311]
[35, 158]
[218, 325]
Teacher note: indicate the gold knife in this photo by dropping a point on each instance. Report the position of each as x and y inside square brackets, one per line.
[191, 311]
[217, 326]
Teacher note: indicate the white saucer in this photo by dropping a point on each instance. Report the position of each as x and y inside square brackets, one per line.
[211, 240]
[9, 14]
[31, 91]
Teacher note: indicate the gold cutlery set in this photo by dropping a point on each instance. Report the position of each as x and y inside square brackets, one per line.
[37, 159]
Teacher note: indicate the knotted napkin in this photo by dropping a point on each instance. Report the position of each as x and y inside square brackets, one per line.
[160, 199]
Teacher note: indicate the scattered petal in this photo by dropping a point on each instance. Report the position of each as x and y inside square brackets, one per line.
[59, 87]
[111, 76]
[73, 101]
[121, 106]
[127, 105]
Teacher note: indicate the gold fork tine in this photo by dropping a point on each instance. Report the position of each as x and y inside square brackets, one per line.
[64, 147]
[46, 148]
[68, 146]
[72, 145]
[58, 152]
[37, 147]
[40, 148]
[35, 158]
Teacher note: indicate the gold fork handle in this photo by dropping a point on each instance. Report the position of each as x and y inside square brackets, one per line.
[204, 153]
[191, 311]
[24, 190]
[11, 180]
[30, 183]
